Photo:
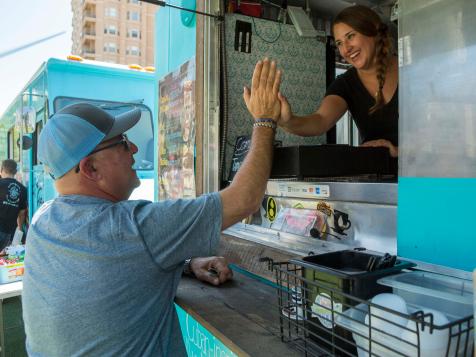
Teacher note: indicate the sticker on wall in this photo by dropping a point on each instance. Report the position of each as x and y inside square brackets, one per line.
[176, 134]
[324, 308]
[324, 207]
[271, 209]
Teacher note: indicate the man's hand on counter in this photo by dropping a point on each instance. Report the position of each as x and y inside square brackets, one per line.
[213, 270]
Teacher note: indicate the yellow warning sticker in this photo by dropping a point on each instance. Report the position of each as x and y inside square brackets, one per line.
[271, 209]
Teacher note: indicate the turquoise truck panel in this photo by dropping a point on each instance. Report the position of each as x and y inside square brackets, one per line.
[436, 221]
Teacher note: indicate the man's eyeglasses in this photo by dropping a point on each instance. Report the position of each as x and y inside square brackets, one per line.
[124, 141]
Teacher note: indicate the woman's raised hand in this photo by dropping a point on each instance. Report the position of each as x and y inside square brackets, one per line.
[286, 112]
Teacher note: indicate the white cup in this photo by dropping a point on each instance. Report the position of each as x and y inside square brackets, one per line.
[431, 344]
[387, 321]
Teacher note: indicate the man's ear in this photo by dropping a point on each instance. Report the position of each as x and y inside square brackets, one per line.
[86, 168]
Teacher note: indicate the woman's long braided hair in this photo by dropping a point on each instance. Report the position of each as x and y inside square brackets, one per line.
[367, 22]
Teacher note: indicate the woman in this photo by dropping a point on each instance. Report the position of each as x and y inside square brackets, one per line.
[369, 90]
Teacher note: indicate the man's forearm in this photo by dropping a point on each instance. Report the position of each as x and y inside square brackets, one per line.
[245, 193]
[254, 173]
[249, 183]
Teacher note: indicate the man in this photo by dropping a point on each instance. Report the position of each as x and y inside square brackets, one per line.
[12, 203]
[101, 272]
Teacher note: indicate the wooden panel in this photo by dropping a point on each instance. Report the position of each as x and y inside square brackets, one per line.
[244, 310]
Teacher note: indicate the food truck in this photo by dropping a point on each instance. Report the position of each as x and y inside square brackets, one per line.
[346, 256]
[342, 258]
[61, 82]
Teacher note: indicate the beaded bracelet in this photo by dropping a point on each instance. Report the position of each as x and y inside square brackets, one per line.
[264, 120]
[270, 125]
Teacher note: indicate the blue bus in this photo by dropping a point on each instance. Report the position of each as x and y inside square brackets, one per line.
[60, 82]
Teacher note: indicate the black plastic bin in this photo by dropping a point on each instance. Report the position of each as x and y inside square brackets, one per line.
[328, 274]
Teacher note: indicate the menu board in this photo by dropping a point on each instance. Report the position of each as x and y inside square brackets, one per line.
[242, 146]
[177, 133]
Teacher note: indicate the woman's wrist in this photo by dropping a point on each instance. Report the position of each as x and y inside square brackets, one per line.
[286, 124]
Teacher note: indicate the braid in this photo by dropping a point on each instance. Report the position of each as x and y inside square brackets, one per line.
[383, 52]
[367, 22]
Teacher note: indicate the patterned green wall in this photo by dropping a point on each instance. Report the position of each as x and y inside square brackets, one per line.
[304, 75]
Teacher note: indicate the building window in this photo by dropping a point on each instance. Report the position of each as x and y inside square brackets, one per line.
[111, 12]
[133, 15]
[111, 47]
[134, 33]
[111, 30]
[133, 51]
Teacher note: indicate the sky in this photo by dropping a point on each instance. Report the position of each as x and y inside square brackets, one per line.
[23, 22]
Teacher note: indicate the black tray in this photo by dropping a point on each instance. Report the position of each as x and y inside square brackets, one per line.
[331, 160]
[349, 264]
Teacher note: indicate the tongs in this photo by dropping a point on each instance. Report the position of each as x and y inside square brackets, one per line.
[377, 263]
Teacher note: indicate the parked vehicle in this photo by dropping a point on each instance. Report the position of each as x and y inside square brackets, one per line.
[60, 82]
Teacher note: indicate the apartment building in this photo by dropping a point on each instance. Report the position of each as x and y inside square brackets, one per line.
[118, 31]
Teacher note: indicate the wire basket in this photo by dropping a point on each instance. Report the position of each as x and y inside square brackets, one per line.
[339, 324]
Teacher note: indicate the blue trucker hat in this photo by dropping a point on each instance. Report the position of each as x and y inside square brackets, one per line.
[74, 131]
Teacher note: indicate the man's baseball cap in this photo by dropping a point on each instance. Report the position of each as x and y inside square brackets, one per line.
[74, 131]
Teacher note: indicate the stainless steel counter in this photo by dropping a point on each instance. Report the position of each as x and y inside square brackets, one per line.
[11, 289]
[370, 206]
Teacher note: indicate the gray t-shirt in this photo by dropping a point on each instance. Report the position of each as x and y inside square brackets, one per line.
[100, 277]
